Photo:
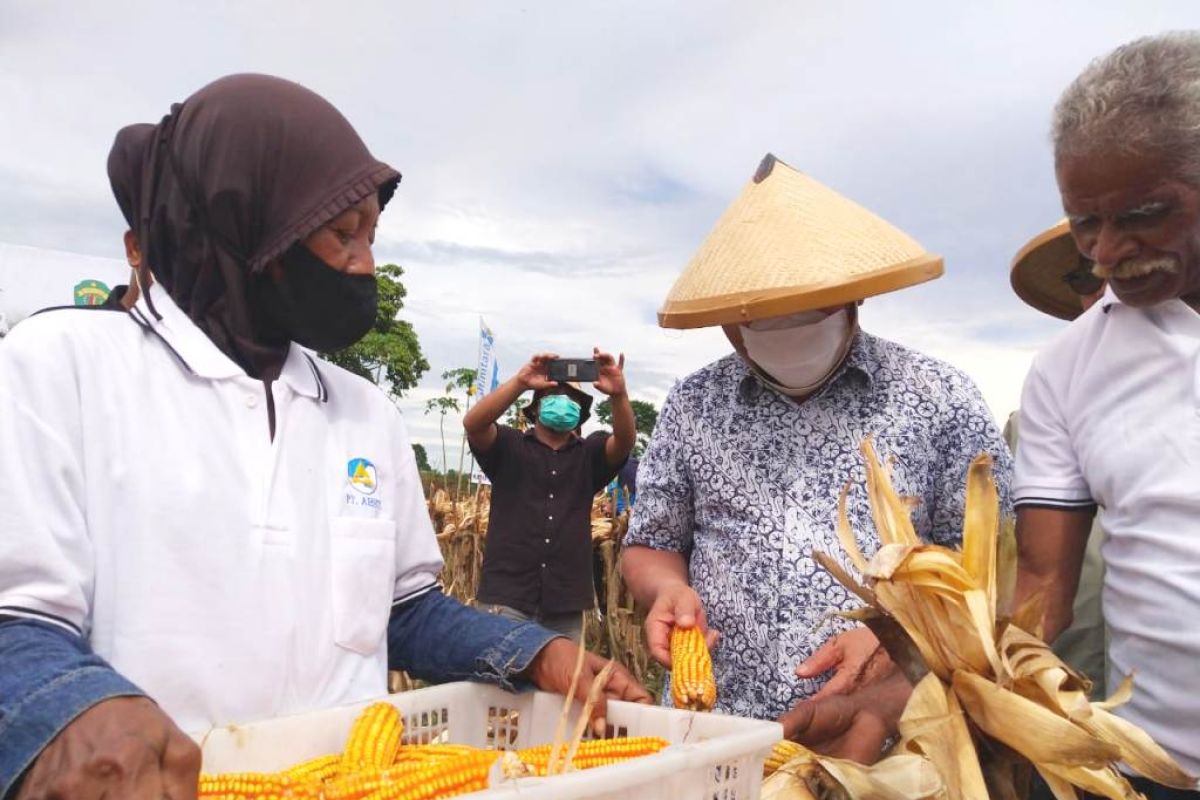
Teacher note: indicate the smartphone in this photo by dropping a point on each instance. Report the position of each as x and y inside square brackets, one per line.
[572, 369]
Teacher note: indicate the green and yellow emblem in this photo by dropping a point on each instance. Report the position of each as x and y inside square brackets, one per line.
[90, 293]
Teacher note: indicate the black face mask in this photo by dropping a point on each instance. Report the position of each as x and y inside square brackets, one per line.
[317, 306]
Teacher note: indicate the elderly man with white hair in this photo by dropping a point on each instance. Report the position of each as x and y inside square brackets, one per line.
[1111, 408]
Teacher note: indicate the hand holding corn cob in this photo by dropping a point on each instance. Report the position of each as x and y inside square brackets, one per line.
[692, 683]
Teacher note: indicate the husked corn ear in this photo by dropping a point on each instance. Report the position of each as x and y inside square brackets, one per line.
[596, 752]
[692, 684]
[374, 739]
[446, 778]
[423, 753]
[317, 770]
[255, 786]
[783, 752]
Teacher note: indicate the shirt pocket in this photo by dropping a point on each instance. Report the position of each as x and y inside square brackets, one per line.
[362, 564]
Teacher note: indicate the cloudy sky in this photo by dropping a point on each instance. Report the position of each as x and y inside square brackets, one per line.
[562, 160]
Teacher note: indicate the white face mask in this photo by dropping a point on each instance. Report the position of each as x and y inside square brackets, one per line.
[799, 351]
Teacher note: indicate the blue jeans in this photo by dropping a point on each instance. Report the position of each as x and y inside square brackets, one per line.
[48, 676]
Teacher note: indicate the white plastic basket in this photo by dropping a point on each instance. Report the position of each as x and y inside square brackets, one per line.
[711, 757]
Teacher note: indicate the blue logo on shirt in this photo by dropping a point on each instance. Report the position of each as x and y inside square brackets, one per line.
[362, 475]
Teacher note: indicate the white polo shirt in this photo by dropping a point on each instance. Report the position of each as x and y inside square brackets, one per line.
[144, 504]
[1111, 414]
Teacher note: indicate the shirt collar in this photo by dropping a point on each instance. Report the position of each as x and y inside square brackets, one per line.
[197, 353]
[574, 440]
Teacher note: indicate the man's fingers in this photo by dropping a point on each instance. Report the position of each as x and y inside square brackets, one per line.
[181, 768]
[814, 721]
[621, 362]
[658, 639]
[711, 637]
[828, 656]
[623, 686]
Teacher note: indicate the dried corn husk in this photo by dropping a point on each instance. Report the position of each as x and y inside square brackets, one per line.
[997, 701]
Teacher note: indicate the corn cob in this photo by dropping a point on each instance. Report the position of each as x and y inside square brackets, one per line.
[428, 753]
[783, 752]
[374, 739]
[692, 683]
[445, 778]
[316, 770]
[255, 786]
[595, 753]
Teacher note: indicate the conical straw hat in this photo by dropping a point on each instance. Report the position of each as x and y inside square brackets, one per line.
[789, 244]
[1040, 269]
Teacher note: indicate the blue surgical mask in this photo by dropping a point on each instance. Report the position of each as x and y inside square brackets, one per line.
[558, 413]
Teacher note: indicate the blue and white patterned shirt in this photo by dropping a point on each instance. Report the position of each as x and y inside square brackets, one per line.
[745, 482]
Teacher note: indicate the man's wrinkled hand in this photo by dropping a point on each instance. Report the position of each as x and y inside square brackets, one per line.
[552, 668]
[677, 604]
[853, 726]
[125, 747]
[857, 658]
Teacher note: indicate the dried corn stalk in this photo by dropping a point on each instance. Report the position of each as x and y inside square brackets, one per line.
[991, 683]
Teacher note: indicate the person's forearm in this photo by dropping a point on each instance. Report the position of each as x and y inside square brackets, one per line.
[484, 647]
[492, 406]
[48, 677]
[624, 423]
[648, 571]
[1050, 548]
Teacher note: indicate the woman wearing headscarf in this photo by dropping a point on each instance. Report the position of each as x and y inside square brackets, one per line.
[270, 552]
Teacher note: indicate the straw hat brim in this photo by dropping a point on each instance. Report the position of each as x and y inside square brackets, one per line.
[1039, 268]
[741, 307]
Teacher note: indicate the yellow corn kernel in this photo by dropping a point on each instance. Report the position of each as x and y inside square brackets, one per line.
[445, 778]
[692, 683]
[782, 752]
[431, 752]
[254, 786]
[374, 739]
[317, 770]
[596, 752]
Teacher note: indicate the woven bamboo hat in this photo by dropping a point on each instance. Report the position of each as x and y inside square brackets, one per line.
[789, 244]
[1043, 271]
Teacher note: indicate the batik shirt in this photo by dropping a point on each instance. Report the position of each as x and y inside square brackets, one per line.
[745, 482]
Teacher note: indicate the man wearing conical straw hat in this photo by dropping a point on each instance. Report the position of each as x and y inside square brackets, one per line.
[740, 484]
[1109, 419]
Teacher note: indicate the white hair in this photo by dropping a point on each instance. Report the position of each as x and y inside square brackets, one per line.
[1142, 98]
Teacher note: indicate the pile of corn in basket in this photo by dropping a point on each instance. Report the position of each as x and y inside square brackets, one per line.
[994, 702]
[376, 765]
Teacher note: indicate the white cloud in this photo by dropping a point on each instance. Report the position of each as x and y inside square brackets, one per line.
[562, 160]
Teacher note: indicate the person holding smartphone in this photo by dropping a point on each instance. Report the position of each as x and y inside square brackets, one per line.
[538, 561]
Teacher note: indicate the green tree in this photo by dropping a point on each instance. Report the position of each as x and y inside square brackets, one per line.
[443, 405]
[515, 418]
[422, 457]
[390, 354]
[645, 417]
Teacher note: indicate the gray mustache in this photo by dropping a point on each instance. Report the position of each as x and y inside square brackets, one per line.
[1136, 267]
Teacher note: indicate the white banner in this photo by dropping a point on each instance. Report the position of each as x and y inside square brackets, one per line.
[487, 378]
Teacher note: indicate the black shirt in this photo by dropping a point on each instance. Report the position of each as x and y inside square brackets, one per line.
[538, 557]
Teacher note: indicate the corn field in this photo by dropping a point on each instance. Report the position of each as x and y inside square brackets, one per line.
[614, 629]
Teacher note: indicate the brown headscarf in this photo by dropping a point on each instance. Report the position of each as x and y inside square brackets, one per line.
[125, 166]
[233, 177]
